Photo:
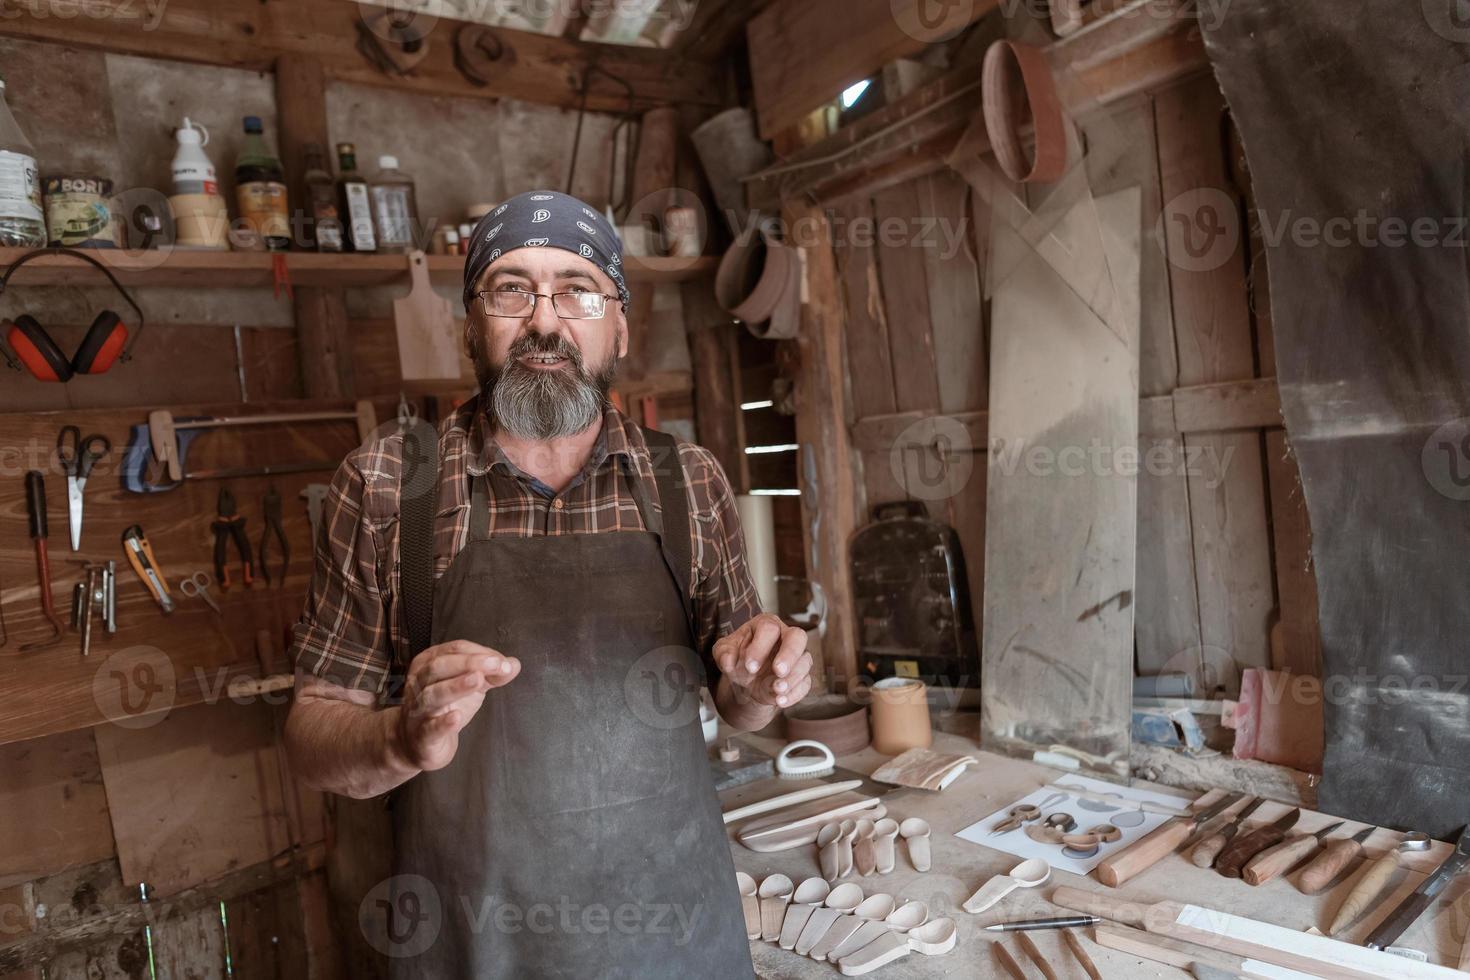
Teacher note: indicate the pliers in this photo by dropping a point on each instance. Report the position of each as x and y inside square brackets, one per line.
[230, 525]
[270, 506]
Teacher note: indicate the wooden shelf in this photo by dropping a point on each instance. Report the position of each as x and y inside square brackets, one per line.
[202, 269]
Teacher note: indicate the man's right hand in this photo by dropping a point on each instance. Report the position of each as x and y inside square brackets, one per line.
[446, 685]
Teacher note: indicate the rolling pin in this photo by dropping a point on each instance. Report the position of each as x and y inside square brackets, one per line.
[1283, 857]
[1329, 864]
[1372, 882]
[1208, 849]
[1232, 860]
[1143, 854]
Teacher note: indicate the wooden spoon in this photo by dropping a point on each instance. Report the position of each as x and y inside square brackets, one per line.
[809, 894]
[775, 894]
[931, 939]
[874, 908]
[864, 856]
[915, 830]
[844, 899]
[750, 905]
[885, 832]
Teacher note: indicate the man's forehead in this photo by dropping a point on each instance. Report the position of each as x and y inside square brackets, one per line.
[545, 263]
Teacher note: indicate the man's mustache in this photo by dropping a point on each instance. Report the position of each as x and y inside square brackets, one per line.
[535, 343]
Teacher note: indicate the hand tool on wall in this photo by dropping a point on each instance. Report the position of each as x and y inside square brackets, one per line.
[270, 507]
[1207, 850]
[1281, 858]
[230, 526]
[1411, 908]
[1371, 883]
[1143, 854]
[1329, 864]
[36, 511]
[109, 598]
[78, 455]
[197, 586]
[164, 429]
[140, 556]
[315, 495]
[1233, 859]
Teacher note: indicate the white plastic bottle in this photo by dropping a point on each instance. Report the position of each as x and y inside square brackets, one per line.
[394, 208]
[194, 172]
[22, 222]
[201, 218]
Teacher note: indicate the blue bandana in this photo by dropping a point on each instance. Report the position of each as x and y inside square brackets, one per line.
[544, 219]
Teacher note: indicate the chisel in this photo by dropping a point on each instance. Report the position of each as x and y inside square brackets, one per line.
[1208, 849]
[1141, 855]
[1242, 849]
[1279, 859]
[1329, 864]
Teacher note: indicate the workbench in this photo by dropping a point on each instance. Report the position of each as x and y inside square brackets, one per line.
[960, 867]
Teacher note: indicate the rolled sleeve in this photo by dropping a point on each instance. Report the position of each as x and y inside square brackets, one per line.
[343, 635]
[724, 594]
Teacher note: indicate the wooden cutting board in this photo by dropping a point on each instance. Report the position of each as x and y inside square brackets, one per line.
[429, 347]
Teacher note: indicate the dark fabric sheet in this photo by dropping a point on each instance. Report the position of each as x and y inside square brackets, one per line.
[1361, 112]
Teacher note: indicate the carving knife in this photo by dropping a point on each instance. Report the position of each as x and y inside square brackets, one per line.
[1412, 907]
[1242, 849]
[1278, 860]
[1208, 849]
[1329, 864]
[1143, 854]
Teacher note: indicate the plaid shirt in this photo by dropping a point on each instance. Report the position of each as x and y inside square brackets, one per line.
[352, 629]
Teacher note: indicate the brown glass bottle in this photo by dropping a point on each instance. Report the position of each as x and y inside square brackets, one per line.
[325, 231]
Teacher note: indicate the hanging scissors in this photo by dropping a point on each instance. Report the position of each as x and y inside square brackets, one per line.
[198, 585]
[78, 455]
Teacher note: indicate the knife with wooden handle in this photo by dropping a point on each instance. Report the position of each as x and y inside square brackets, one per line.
[1143, 854]
[1329, 864]
[1364, 892]
[1409, 910]
[1232, 860]
[1208, 849]
[1284, 856]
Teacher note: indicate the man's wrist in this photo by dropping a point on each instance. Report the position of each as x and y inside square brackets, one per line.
[741, 710]
[394, 755]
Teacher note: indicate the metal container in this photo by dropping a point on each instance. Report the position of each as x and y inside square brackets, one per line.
[79, 211]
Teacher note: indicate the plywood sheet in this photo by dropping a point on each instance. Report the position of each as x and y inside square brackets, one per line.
[53, 810]
[194, 795]
[1061, 515]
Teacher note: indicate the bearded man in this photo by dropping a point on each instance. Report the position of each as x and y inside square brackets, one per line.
[519, 664]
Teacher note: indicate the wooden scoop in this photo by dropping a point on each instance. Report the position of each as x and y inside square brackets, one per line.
[844, 898]
[1027, 874]
[750, 905]
[775, 895]
[885, 832]
[931, 939]
[915, 830]
[874, 908]
[809, 894]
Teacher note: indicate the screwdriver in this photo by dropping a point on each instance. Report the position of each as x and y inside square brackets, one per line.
[1329, 864]
[1208, 849]
[1284, 856]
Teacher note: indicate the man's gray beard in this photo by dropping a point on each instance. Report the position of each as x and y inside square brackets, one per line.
[540, 405]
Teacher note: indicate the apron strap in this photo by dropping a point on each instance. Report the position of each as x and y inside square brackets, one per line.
[416, 505]
[674, 536]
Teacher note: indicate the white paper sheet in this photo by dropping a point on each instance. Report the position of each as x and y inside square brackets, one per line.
[1087, 814]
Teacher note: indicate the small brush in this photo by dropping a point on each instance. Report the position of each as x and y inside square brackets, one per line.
[805, 759]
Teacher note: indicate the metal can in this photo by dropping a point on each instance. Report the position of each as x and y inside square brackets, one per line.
[79, 211]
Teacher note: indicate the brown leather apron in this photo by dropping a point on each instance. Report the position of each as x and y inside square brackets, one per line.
[576, 834]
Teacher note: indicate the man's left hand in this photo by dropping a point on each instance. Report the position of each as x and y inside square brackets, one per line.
[766, 661]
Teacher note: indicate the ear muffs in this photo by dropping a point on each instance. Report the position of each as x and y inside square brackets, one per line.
[105, 343]
[100, 348]
[37, 351]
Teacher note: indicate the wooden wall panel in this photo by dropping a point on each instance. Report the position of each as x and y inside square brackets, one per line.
[1213, 331]
[53, 810]
[194, 794]
[901, 270]
[53, 690]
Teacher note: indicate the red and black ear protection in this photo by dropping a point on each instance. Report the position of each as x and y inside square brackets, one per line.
[32, 348]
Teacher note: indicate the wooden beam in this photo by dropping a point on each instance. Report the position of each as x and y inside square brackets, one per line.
[534, 67]
[802, 55]
[827, 475]
[911, 137]
[321, 314]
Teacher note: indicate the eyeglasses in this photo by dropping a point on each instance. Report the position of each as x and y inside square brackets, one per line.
[521, 302]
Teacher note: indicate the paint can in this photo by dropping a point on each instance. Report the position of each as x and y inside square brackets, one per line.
[79, 211]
